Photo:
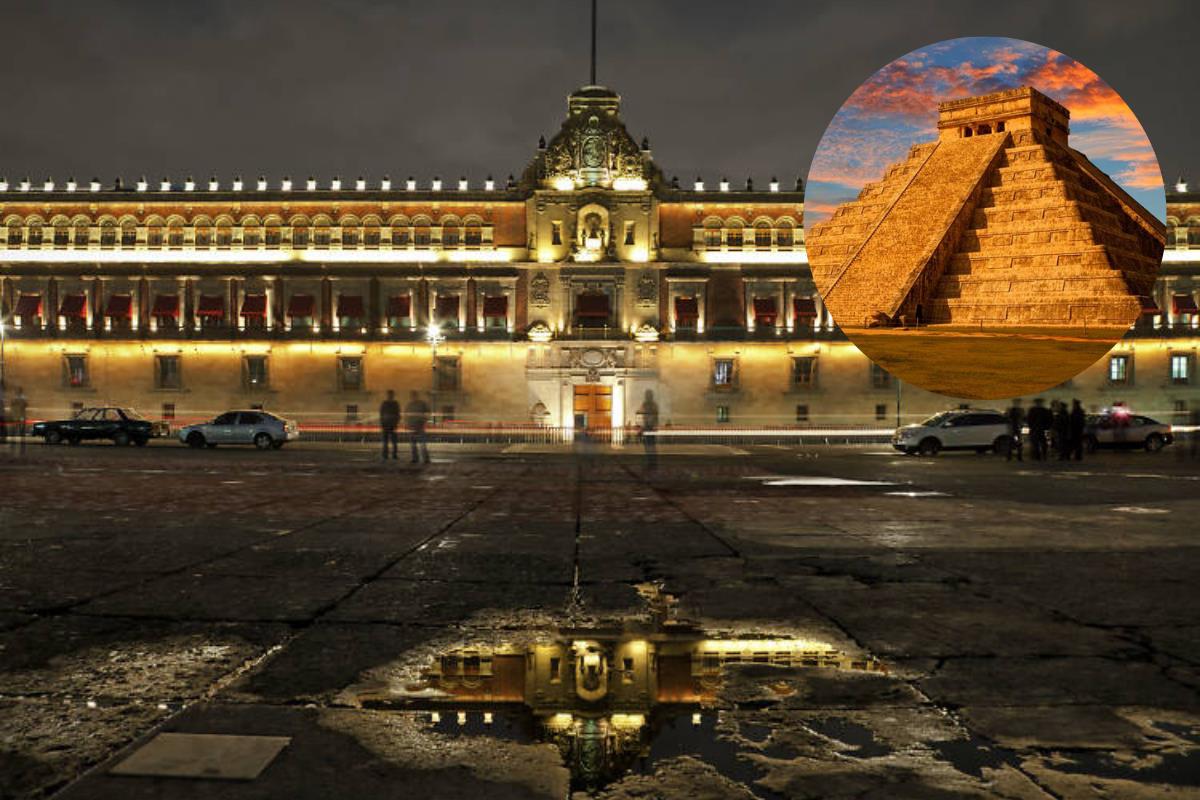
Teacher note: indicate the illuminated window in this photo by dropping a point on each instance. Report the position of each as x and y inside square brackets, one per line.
[274, 234]
[399, 236]
[804, 371]
[474, 234]
[251, 235]
[175, 236]
[15, 234]
[555, 233]
[35, 234]
[1118, 369]
[83, 234]
[129, 233]
[350, 373]
[724, 374]
[880, 377]
[630, 232]
[299, 235]
[255, 372]
[762, 235]
[350, 236]
[75, 371]
[450, 234]
[422, 236]
[722, 414]
[224, 236]
[62, 234]
[448, 374]
[167, 373]
[154, 235]
[371, 236]
[785, 235]
[1181, 368]
[733, 237]
[108, 233]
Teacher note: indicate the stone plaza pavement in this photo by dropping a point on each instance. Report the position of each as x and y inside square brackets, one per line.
[1037, 623]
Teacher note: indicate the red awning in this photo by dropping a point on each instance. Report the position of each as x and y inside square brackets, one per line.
[254, 305]
[119, 305]
[301, 305]
[764, 310]
[1149, 307]
[592, 305]
[1184, 304]
[447, 307]
[687, 308]
[399, 306]
[804, 308]
[28, 305]
[350, 306]
[212, 305]
[495, 306]
[73, 305]
[165, 305]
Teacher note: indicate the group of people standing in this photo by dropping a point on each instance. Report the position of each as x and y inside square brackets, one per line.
[1057, 427]
[415, 417]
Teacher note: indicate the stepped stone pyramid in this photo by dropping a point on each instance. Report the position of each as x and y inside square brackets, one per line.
[999, 222]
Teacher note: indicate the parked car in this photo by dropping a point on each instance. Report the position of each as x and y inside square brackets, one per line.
[257, 427]
[1120, 429]
[962, 429]
[122, 426]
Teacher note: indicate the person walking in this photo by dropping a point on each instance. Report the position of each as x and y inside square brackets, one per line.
[1016, 425]
[416, 416]
[1075, 430]
[389, 420]
[649, 414]
[20, 411]
[1039, 422]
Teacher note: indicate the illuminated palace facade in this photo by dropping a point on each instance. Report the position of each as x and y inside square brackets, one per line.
[557, 297]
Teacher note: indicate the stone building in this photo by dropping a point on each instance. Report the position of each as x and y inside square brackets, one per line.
[999, 222]
[557, 297]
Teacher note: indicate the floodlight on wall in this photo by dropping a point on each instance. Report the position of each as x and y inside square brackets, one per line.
[698, 185]
[94, 185]
[310, 185]
[410, 185]
[142, 184]
[360, 185]
[23, 185]
[385, 184]
[462, 184]
[261, 184]
[774, 185]
[71, 184]
[48, 185]
[189, 185]
[213, 184]
[237, 183]
[437, 184]
[286, 184]
[335, 184]
[724, 185]
[489, 185]
[164, 185]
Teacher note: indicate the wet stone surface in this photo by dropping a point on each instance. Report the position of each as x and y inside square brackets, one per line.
[1032, 640]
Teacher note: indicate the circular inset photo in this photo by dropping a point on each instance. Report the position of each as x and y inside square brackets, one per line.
[985, 218]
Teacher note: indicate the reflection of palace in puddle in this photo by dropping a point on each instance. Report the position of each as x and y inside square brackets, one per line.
[598, 693]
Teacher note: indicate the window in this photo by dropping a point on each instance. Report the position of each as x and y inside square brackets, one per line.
[62, 234]
[166, 372]
[14, 234]
[473, 234]
[35, 234]
[450, 234]
[1180, 406]
[555, 669]
[422, 236]
[1181, 364]
[108, 234]
[447, 374]
[712, 235]
[722, 414]
[82, 234]
[804, 371]
[733, 237]
[300, 235]
[203, 236]
[784, 235]
[154, 235]
[880, 377]
[168, 411]
[350, 373]
[251, 235]
[274, 234]
[351, 412]
[1118, 369]
[129, 233]
[802, 413]
[371, 236]
[399, 236]
[175, 236]
[257, 376]
[75, 368]
[630, 232]
[880, 411]
[555, 233]
[350, 236]
[762, 235]
[724, 373]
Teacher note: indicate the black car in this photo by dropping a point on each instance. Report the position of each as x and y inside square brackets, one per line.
[121, 425]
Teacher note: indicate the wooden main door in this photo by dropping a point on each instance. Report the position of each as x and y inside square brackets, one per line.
[593, 407]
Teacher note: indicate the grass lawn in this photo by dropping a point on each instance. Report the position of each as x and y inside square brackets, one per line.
[985, 364]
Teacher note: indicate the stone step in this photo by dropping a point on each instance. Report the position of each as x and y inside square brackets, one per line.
[967, 287]
[1076, 313]
[1086, 260]
[1056, 193]
[998, 215]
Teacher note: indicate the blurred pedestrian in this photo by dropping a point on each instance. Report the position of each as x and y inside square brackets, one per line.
[19, 409]
[389, 420]
[416, 416]
[1194, 444]
[1039, 422]
[1016, 425]
[649, 414]
[1075, 430]
[3, 419]
[1062, 430]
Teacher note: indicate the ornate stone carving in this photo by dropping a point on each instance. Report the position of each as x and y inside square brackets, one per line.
[539, 290]
[647, 289]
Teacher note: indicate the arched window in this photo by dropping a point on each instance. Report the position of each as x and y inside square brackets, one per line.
[203, 234]
[349, 232]
[762, 234]
[321, 233]
[251, 233]
[16, 233]
[62, 233]
[400, 233]
[371, 233]
[299, 233]
[421, 232]
[274, 233]
[154, 234]
[451, 233]
[733, 234]
[108, 233]
[224, 234]
[83, 233]
[712, 233]
[473, 233]
[129, 233]
[175, 234]
[785, 233]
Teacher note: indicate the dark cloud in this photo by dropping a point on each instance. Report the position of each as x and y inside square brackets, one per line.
[453, 88]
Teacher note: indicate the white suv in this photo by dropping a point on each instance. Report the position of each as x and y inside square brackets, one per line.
[964, 429]
[256, 427]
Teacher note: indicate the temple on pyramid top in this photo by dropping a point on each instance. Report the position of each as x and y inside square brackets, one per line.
[1023, 109]
[996, 222]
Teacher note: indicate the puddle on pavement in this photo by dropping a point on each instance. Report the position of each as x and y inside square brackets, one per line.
[614, 700]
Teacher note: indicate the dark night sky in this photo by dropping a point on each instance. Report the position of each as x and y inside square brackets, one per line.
[370, 88]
